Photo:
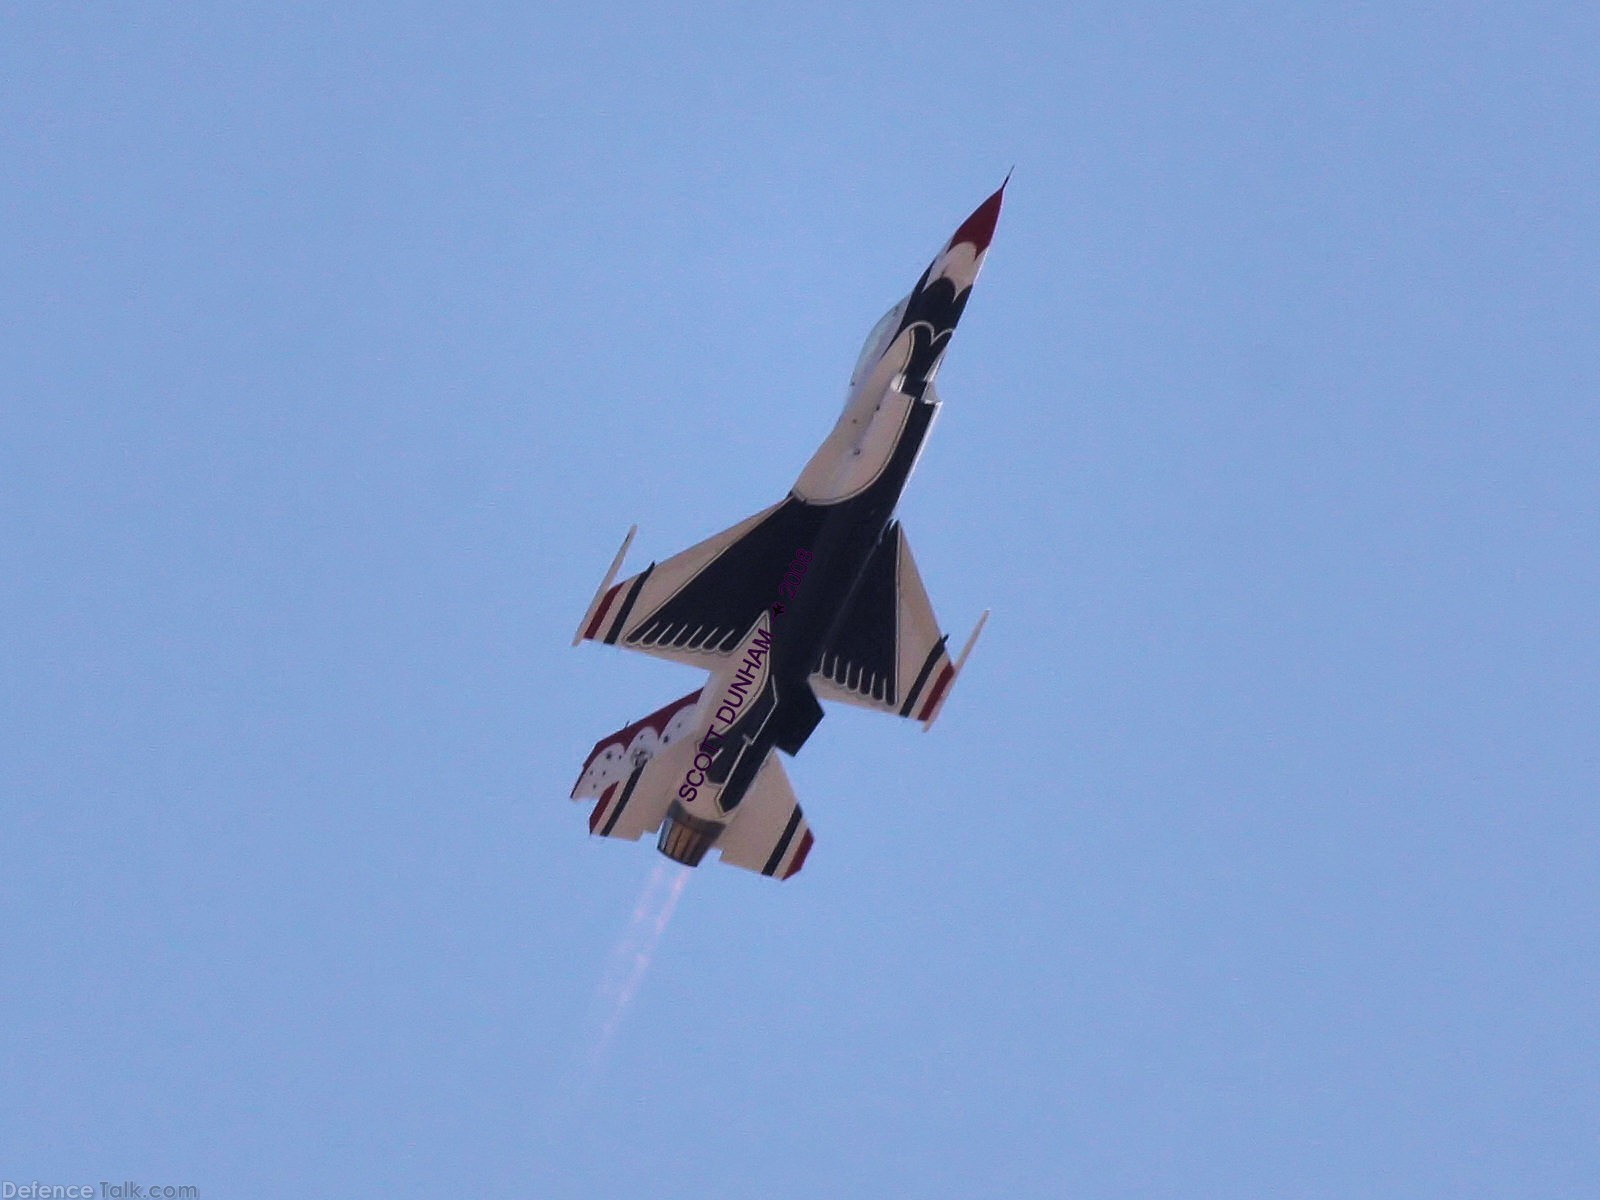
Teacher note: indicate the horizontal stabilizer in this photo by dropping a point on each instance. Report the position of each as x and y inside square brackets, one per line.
[637, 804]
[770, 834]
[619, 754]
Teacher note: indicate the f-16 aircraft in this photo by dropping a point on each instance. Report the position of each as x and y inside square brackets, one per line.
[815, 598]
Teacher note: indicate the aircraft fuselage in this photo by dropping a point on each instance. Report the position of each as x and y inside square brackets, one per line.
[819, 591]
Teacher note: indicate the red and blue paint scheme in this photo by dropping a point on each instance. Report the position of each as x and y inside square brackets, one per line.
[815, 598]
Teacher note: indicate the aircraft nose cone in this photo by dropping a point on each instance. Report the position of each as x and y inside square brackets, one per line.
[978, 229]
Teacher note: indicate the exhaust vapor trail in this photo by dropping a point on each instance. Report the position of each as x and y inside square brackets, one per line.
[631, 958]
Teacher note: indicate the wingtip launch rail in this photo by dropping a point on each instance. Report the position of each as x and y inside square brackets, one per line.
[599, 592]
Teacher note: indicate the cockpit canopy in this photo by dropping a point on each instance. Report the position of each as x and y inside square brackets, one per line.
[877, 342]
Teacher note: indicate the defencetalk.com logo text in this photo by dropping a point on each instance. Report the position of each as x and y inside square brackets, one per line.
[126, 1190]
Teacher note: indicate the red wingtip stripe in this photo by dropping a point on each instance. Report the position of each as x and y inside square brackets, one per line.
[978, 229]
[600, 612]
[800, 855]
[945, 676]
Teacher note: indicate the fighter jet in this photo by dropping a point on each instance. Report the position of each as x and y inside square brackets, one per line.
[815, 598]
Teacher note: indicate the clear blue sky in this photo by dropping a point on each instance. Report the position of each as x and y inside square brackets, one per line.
[1255, 855]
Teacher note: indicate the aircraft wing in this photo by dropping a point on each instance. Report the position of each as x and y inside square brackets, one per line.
[694, 607]
[888, 653]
